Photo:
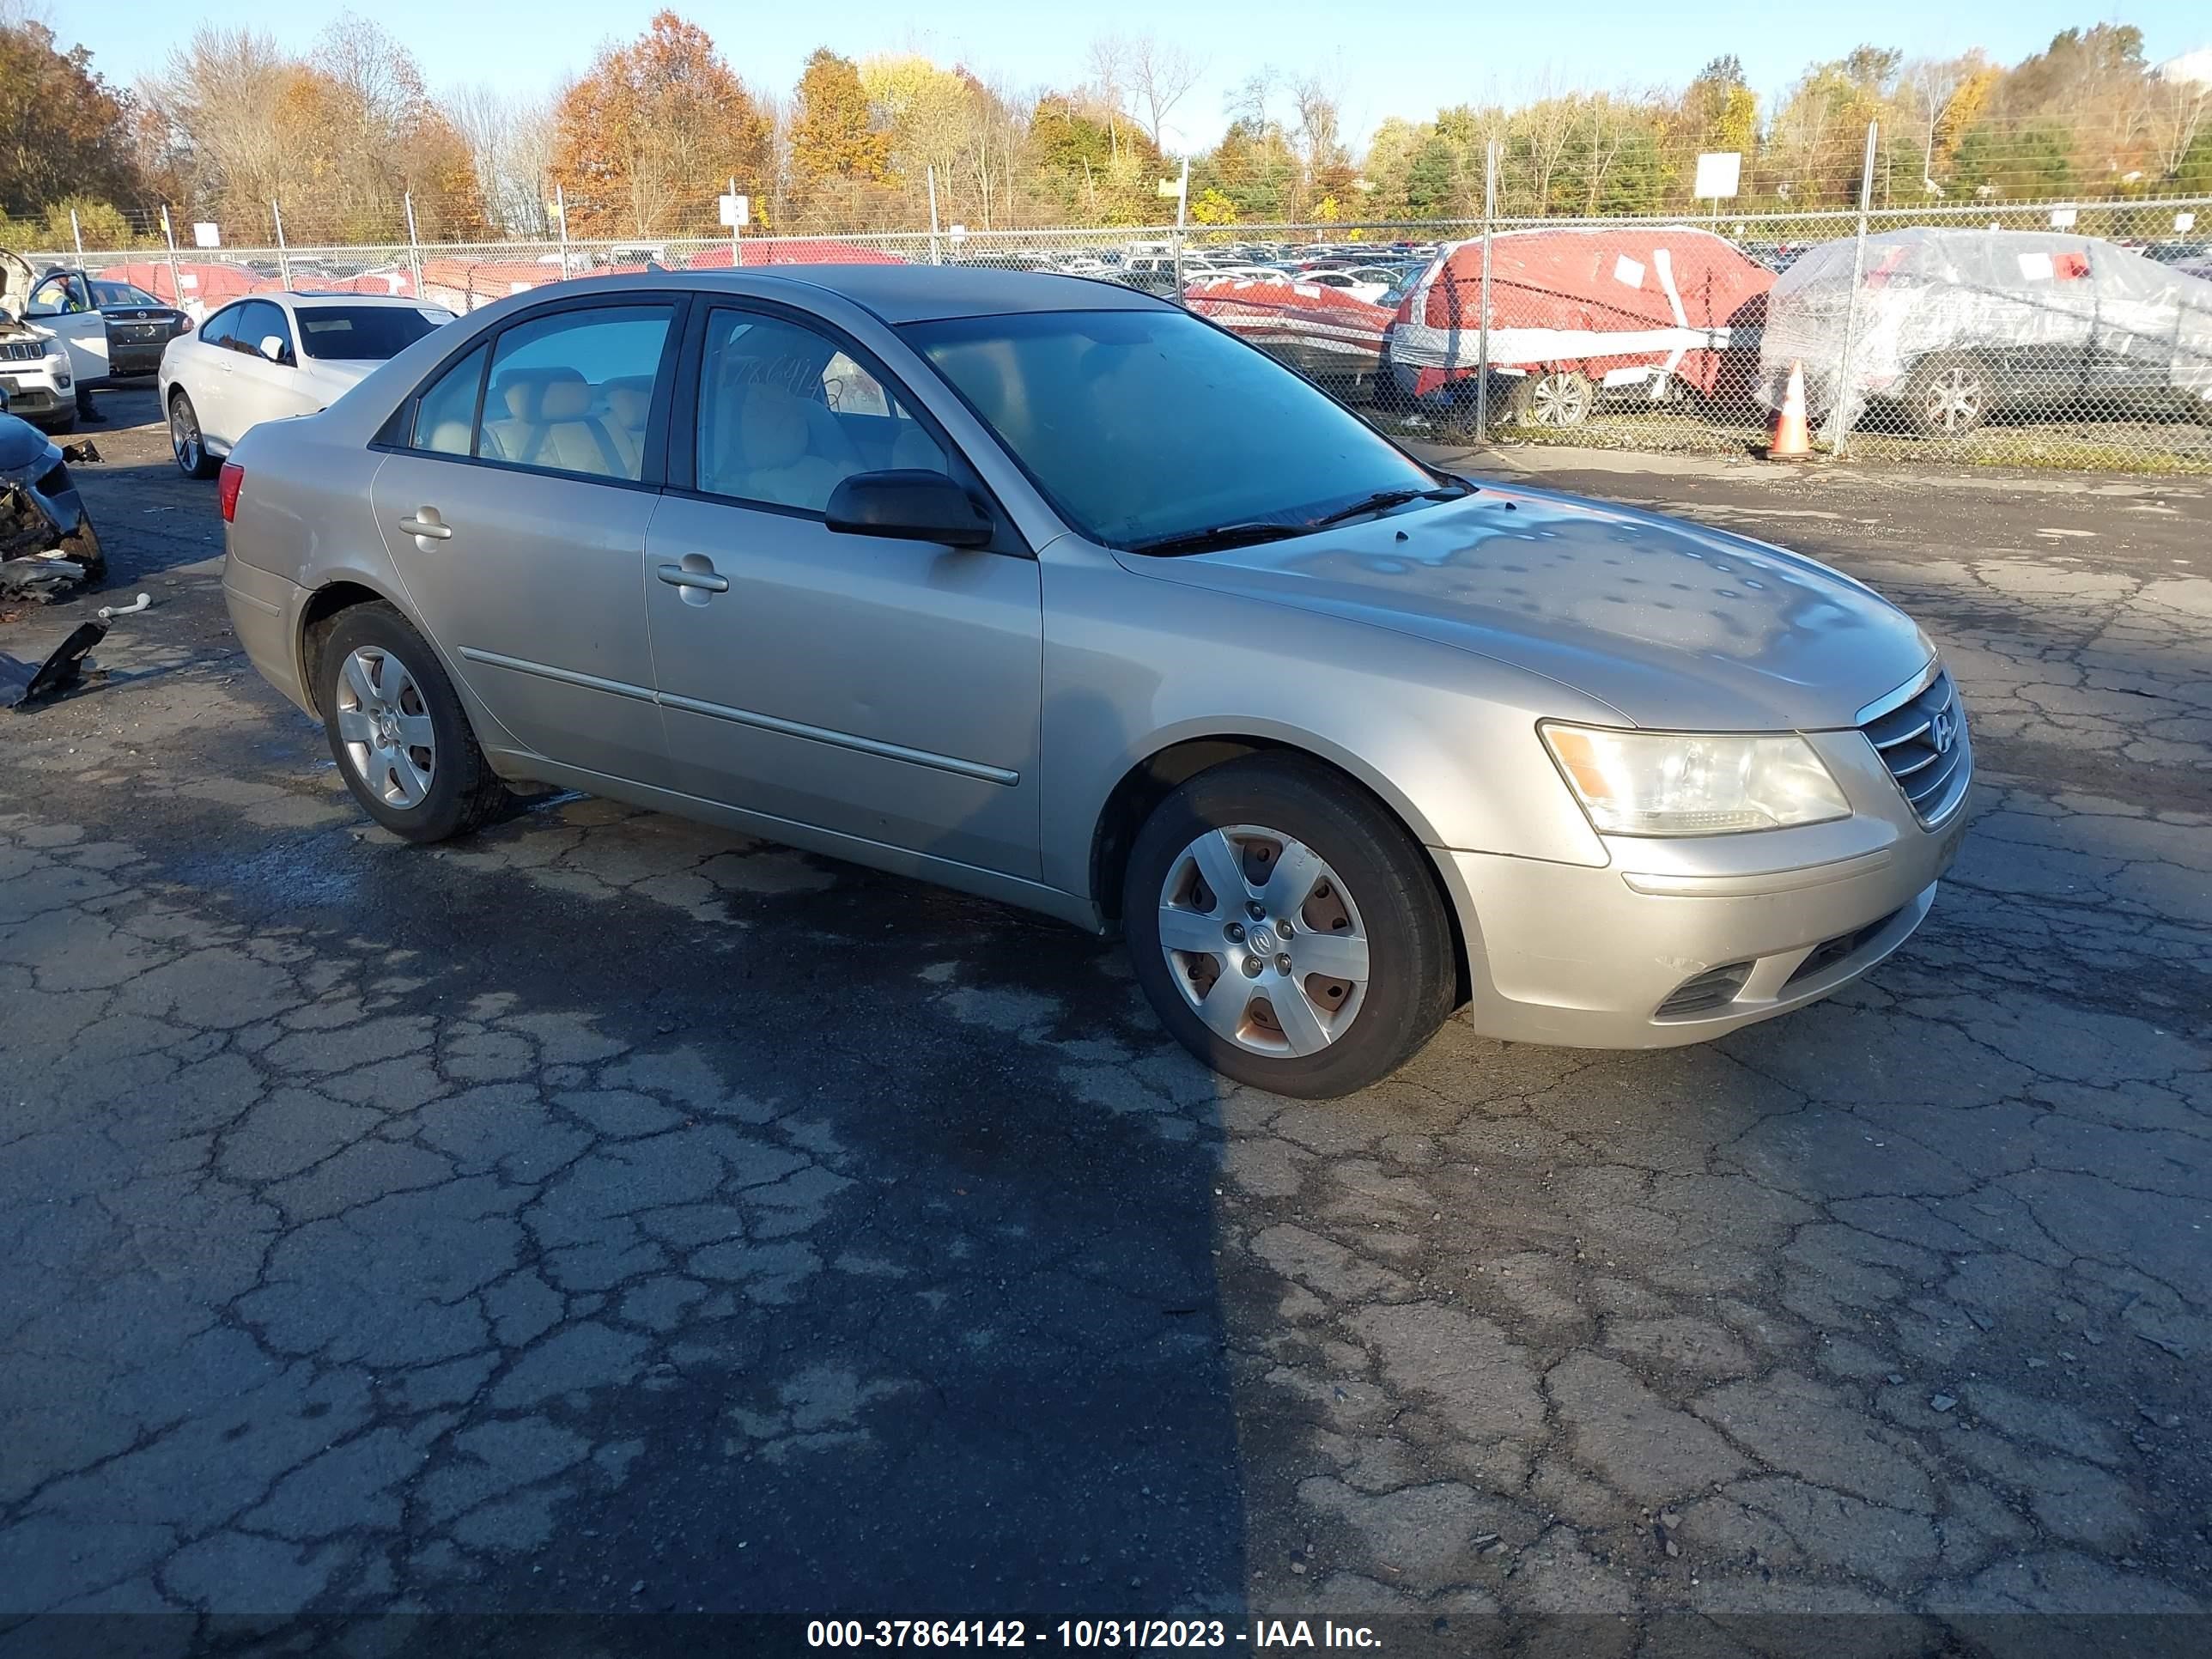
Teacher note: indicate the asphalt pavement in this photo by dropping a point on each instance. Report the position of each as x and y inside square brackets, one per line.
[609, 1214]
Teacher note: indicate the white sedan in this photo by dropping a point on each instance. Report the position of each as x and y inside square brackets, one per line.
[271, 355]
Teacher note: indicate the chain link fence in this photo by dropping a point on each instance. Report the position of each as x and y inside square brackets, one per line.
[2027, 334]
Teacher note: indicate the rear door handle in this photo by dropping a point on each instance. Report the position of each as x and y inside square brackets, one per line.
[677, 575]
[425, 522]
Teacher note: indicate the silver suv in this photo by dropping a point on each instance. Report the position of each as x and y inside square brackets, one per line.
[1045, 589]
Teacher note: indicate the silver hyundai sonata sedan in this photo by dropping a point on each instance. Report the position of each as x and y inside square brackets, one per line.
[1045, 589]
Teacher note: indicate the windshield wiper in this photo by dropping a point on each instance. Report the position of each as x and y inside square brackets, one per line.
[1241, 534]
[1383, 500]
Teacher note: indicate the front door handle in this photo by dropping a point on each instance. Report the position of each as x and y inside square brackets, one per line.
[425, 521]
[701, 576]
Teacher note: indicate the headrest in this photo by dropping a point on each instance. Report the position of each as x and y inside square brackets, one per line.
[629, 398]
[771, 428]
[565, 400]
[523, 389]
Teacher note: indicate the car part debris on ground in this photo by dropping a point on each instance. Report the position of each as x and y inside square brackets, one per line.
[24, 684]
[47, 543]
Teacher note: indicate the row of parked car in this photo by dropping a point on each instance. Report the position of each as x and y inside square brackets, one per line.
[1943, 328]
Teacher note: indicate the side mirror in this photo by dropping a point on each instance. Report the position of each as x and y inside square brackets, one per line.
[272, 348]
[909, 505]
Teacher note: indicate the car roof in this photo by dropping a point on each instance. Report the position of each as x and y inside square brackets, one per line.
[913, 294]
[335, 297]
[899, 294]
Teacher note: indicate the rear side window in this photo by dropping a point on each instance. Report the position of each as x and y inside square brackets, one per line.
[445, 419]
[571, 393]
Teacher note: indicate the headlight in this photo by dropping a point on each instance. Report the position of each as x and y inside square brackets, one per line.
[1668, 783]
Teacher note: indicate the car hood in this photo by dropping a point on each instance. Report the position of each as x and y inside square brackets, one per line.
[1674, 625]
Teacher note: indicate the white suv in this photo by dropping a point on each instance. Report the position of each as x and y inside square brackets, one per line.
[36, 380]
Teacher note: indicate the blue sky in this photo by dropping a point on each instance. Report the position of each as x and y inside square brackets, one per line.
[1406, 58]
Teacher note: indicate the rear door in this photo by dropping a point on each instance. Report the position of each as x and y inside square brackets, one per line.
[518, 522]
[886, 690]
[201, 368]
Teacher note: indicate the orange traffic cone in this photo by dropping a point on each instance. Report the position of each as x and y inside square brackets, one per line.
[1788, 440]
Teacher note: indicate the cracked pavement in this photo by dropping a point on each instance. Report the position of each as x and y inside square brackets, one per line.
[613, 1213]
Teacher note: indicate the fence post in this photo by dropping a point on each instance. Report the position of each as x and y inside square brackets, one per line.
[1482, 322]
[1183, 207]
[283, 254]
[76, 235]
[414, 248]
[1837, 425]
[560, 221]
[176, 283]
[934, 257]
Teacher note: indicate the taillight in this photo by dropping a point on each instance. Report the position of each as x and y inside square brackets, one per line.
[226, 487]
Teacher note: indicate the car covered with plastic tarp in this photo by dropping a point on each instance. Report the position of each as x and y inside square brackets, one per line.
[1577, 313]
[1326, 333]
[1951, 325]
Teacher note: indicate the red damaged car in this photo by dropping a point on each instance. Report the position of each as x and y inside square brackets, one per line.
[1577, 315]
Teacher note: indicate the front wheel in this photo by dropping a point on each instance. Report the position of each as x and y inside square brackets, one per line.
[186, 442]
[1561, 398]
[398, 731]
[1287, 928]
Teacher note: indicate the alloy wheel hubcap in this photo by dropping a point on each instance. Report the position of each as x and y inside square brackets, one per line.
[1559, 402]
[1263, 941]
[184, 435]
[1954, 400]
[386, 727]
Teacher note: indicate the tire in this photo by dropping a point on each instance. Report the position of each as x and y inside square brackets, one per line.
[187, 444]
[1369, 880]
[402, 740]
[1948, 396]
[1559, 399]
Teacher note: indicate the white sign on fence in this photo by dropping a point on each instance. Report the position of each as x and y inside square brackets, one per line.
[2063, 218]
[1719, 173]
[737, 211]
[2185, 222]
[958, 233]
[206, 233]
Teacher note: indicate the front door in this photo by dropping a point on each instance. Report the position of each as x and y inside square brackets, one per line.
[63, 304]
[883, 689]
[266, 383]
[522, 536]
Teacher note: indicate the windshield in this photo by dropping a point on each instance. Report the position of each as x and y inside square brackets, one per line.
[1148, 427]
[363, 332]
[121, 294]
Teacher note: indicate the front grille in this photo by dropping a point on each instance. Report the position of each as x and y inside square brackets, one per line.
[1828, 952]
[1923, 745]
[22, 351]
[1714, 988]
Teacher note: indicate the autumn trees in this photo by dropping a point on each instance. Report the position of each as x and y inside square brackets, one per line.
[343, 137]
[64, 133]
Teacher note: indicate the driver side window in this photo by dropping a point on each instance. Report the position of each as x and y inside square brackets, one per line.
[785, 416]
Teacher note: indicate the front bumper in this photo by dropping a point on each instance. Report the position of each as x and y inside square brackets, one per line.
[1678, 941]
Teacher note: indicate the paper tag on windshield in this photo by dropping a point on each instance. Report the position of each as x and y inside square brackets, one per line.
[1627, 272]
[2035, 267]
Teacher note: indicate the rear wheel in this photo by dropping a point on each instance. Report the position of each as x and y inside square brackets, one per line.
[1948, 396]
[1287, 928]
[186, 442]
[398, 731]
